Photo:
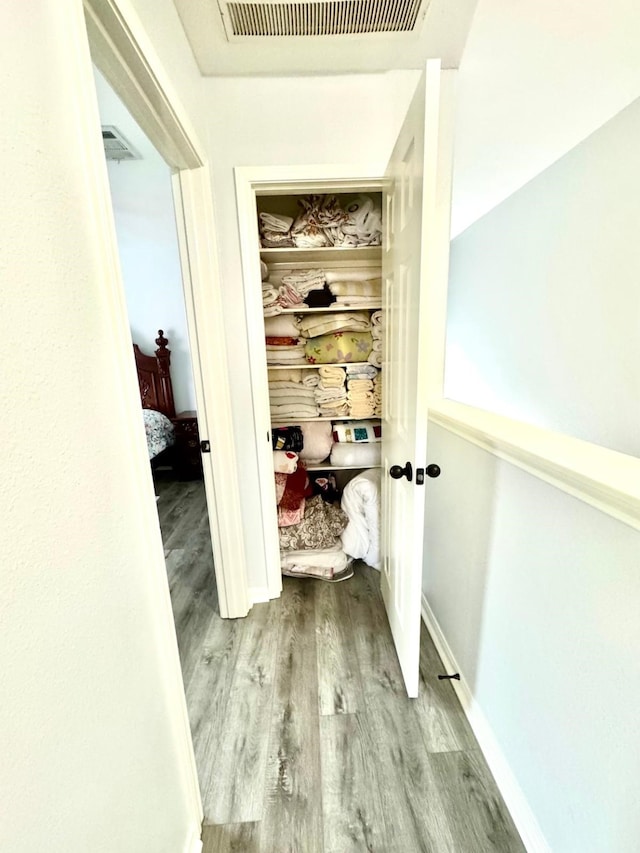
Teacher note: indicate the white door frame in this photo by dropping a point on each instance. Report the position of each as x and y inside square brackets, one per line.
[122, 51]
[259, 180]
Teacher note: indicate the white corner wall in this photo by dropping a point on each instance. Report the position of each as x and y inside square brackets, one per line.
[92, 741]
[285, 121]
[148, 246]
[535, 79]
[537, 595]
[544, 304]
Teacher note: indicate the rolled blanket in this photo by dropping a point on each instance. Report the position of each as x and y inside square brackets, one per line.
[290, 374]
[331, 377]
[376, 318]
[339, 347]
[284, 461]
[363, 431]
[360, 455]
[357, 288]
[375, 358]
[313, 325]
[275, 222]
[353, 275]
[281, 327]
[376, 346]
[318, 440]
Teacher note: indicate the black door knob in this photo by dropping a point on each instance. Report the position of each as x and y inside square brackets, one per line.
[398, 473]
[433, 470]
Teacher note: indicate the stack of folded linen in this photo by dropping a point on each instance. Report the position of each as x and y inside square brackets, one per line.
[275, 230]
[377, 396]
[331, 393]
[283, 348]
[270, 300]
[313, 325]
[377, 332]
[290, 400]
[356, 287]
[305, 281]
[360, 397]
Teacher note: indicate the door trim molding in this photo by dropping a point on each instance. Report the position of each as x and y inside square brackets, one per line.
[249, 181]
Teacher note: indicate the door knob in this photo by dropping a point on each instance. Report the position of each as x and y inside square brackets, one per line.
[397, 472]
[433, 470]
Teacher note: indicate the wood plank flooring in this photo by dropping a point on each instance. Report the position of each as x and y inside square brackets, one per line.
[305, 741]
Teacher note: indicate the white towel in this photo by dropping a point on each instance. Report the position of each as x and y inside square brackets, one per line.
[275, 222]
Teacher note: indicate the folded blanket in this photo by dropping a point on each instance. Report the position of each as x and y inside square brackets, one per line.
[328, 395]
[321, 525]
[275, 222]
[371, 288]
[353, 275]
[283, 326]
[331, 377]
[292, 504]
[339, 347]
[275, 240]
[361, 503]
[318, 440]
[289, 297]
[279, 384]
[334, 409]
[269, 294]
[313, 325]
[359, 371]
[357, 433]
[305, 280]
[284, 461]
[272, 310]
[293, 400]
[325, 563]
[361, 409]
[311, 379]
[292, 356]
[289, 374]
[291, 414]
[281, 482]
[365, 455]
[358, 301]
[281, 342]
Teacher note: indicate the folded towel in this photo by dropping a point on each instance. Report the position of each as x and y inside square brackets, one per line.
[359, 385]
[357, 288]
[281, 327]
[331, 377]
[313, 325]
[363, 370]
[275, 240]
[335, 409]
[361, 410]
[311, 380]
[305, 279]
[281, 342]
[288, 375]
[376, 318]
[377, 345]
[329, 395]
[275, 222]
[284, 461]
[375, 358]
[353, 275]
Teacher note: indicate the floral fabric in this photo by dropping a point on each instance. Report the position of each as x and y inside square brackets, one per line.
[320, 528]
[339, 347]
[159, 430]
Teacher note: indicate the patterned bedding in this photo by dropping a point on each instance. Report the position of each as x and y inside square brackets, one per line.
[159, 430]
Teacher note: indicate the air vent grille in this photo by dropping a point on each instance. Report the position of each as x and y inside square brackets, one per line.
[116, 147]
[331, 18]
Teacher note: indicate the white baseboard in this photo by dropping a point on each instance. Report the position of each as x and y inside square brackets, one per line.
[194, 843]
[512, 794]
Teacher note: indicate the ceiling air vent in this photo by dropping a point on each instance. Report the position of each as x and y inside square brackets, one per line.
[320, 17]
[116, 146]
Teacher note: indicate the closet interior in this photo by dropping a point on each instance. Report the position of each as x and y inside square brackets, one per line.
[321, 267]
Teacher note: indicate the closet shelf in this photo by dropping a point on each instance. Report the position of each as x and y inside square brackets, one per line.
[332, 308]
[294, 421]
[340, 467]
[326, 254]
[316, 366]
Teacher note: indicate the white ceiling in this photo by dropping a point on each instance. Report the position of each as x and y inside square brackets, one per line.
[441, 35]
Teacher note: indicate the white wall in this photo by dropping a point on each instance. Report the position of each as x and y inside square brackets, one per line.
[286, 121]
[92, 744]
[535, 79]
[148, 246]
[544, 305]
[537, 594]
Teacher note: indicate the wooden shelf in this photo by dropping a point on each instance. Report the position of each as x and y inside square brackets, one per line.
[326, 254]
[331, 309]
[317, 366]
[340, 467]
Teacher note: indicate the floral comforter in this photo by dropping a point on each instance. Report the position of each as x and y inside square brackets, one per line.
[159, 430]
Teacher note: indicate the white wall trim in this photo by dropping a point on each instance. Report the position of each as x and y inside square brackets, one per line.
[249, 180]
[515, 800]
[194, 842]
[603, 478]
[260, 594]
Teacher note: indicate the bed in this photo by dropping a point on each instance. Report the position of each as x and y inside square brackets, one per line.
[156, 396]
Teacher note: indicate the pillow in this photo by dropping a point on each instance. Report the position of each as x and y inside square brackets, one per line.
[339, 347]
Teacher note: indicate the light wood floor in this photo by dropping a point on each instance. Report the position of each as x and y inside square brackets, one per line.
[305, 741]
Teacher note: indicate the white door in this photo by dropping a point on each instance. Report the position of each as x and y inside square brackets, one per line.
[409, 206]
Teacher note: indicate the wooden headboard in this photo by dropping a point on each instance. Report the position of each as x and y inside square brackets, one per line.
[154, 378]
